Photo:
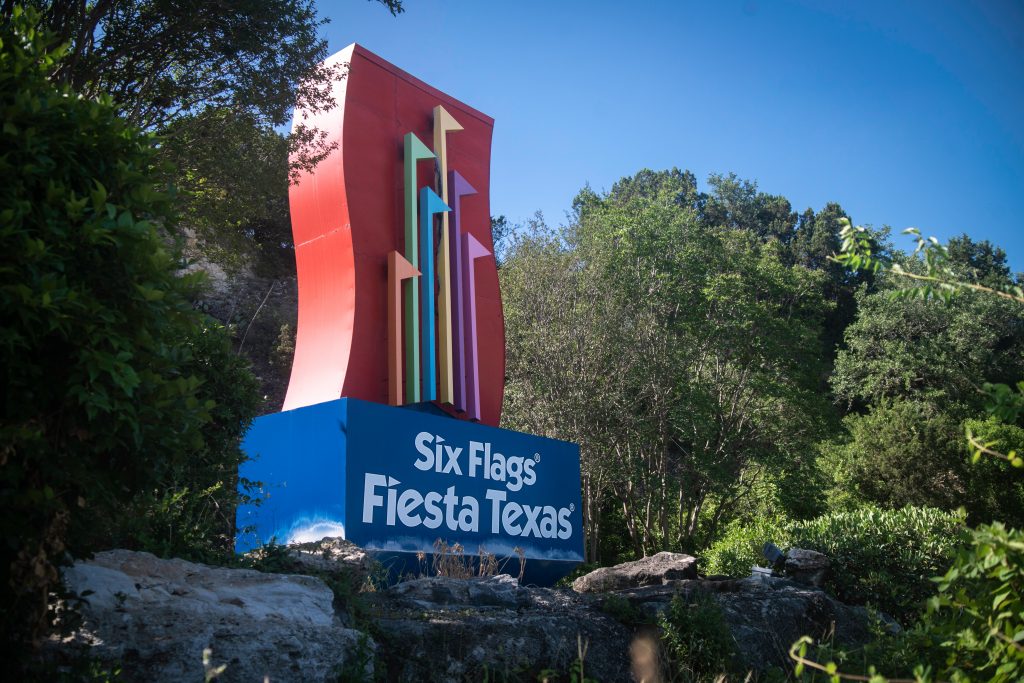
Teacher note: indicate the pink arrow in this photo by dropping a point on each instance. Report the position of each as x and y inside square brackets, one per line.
[471, 251]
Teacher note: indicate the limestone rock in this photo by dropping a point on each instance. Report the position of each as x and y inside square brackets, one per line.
[334, 557]
[442, 629]
[155, 617]
[765, 617]
[808, 567]
[650, 571]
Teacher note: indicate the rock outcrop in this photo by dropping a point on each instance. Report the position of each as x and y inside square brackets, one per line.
[444, 629]
[806, 566]
[764, 616]
[655, 570]
[154, 618]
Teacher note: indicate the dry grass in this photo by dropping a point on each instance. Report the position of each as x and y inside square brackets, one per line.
[452, 561]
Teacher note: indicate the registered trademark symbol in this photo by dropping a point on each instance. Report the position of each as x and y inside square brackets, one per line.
[536, 457]
[572, 507]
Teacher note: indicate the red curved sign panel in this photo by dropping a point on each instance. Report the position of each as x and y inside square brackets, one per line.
[350, 216]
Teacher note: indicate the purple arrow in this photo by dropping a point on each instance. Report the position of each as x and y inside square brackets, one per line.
[457, 187]
[471, 251]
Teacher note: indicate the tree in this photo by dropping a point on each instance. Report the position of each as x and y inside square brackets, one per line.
[115, 389]
[236, 192]
[910, 349]
[980, 262]
[682, 357]
[167, 60]
[902, 452]
[975, 624]
[213, 80]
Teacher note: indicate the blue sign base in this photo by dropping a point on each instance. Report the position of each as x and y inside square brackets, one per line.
[396, 480]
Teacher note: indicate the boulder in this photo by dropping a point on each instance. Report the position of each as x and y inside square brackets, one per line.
[154, 618]
[808, 567]
[442, 630]
[654, 570]
[765, 617]
[344, 564]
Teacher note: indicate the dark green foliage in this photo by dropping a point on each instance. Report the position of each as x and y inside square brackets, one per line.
[943, 354]
[979, 611]
[214, 83]
[980, 262]
[696, 643]
[232, 174]
[164, 60]
[995, 486]
[736, 203]
[621, 609]
[902, 452]
[116, 392]
[884, 558]
[684, 357]
[191, 513]
[903, 654]
[973, 629]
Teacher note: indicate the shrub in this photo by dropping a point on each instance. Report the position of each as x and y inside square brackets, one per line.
[696, 642]
[996, 487]
[741, 547]
[116, 392]
[885, 558]
[902, 452]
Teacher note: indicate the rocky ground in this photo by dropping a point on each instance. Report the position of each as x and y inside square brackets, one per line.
[155, 618]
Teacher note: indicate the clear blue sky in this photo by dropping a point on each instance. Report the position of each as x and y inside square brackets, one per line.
[906, 113]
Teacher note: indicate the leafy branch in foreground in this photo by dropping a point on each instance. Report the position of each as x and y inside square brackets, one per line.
[978, 449]
[857, 252]
[798, 653]
[977, 615]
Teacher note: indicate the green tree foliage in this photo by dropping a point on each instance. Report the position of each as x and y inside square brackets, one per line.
[974, 629]
[901, 452]
[213, 81]
[996, 485]
[916, 374]
[736, 203]
[236, 189]
[167, 60]
[116, 392]
[909, 349]
[682, 357]
[908, 452]
[981, 262]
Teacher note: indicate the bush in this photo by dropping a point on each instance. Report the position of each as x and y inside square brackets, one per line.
[117, 393]
[885, 558]
[911, 452]
[902, 452]
[996, 488]
[696, 642]
[741, 547]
